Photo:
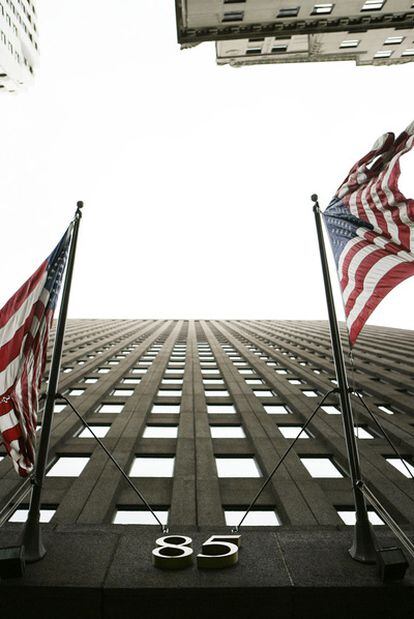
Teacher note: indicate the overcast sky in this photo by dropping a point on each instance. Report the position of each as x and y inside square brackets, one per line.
[196, 178]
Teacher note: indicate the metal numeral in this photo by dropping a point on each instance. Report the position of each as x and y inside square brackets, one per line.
[174, 552]
[219, 551]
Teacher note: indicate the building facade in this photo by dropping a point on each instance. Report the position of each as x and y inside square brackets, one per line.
[281, 31]
[18, 43]
[198, 413]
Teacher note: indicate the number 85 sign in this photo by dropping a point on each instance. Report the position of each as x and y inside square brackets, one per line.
[174, 552]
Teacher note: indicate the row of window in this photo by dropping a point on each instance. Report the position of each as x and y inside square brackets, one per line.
[325, 8]
[261, 516]
[288, 431]
[226, 465]
[346, 44]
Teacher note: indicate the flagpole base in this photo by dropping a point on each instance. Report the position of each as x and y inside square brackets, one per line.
[34, 549]
[363, 548]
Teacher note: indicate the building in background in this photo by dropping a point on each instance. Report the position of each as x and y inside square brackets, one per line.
[280, 31]
[198, 413]
[18, 43]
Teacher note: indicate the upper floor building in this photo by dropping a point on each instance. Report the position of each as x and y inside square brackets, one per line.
[278, 31]
[18, 43]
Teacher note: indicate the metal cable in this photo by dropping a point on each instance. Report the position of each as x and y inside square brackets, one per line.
[236, 528]
[164, 529]
[15, 500]
[387, 438]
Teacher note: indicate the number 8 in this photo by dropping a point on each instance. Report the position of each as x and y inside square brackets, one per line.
[174, 552]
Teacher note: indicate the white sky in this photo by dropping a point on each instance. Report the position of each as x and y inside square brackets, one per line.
[196, 178]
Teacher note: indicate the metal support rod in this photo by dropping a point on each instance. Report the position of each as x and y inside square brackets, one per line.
[378, 506]
[364, 545]
[164, 529]
[32, 537]
[280, 461]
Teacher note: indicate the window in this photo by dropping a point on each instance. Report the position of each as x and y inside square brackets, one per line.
[362, 433]
[131, 381]
[138, 371]
[263, 393]
[233, 16]
[276, 409]
[126, 515]
[393, 40]
[46, 514]
[166, 408]
[68, 466]
[171, 393]
[294, 381]
[293, 432]
[310, 393]
[331, 410]
[66, 370]
[103, 370]
[160, 431]
[111, 408]
[401, 464]
[237, 467]
[172, 381]
[383, 54]
[58, 408]
[349, 43]
[321, 467]
[408, 52]
[227, 432]
[373, 5]
[99, 430]
[249, 371]
[122, 392]
[213, 381]
[225, 409]
[91, 381]
[222, 393]
[322, 9]
[281, 371]
[152, 466]
[290, 12]
[347, 515]
[255, 518]
[279, 49]
[385, 409]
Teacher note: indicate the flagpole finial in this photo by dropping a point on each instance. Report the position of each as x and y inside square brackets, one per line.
[79, 206]
[314, 197]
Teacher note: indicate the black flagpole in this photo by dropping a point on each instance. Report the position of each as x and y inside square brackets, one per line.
[32, 537]
[364, 545]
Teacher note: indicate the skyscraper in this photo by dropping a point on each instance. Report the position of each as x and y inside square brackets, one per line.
[258, 32]
[18, 43]
[198, 413]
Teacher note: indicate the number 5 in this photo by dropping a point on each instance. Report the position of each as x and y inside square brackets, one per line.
[219, 551]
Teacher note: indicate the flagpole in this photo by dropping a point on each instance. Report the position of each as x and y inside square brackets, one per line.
[32, 536]
[364, 545]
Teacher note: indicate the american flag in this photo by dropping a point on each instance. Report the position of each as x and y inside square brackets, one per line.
[371, 229]
[24, 330]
